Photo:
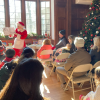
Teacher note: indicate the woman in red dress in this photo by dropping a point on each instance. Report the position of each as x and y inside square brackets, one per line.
[19, 42]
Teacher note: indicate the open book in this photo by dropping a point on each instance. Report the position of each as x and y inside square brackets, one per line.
[8, 30]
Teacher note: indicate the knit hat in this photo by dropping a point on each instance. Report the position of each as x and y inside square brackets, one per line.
[63, 32]
[79, 42]
[28, 52]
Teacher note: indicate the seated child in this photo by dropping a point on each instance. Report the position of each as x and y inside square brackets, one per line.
[65, 49]
[46, 45]
[2, 51]
[94, 95]
[10, 53]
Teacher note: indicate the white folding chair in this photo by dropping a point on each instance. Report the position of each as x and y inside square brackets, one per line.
[93, 75]
[80, 79]
[59, 57]
[46, 52]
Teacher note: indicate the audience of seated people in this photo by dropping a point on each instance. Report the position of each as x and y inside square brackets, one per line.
[79, 57]
[94, 95]
[2, 51]
[46, 45]
[16, 75]
[7, 69]
[10, 53]
[24, 82]
[95, 50]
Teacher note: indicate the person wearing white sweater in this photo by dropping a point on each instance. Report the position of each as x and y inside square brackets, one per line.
[94, 95]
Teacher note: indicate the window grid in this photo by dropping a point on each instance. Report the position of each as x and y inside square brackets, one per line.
[15, 12]
[2, 16]
[45, 17]
[30, 16]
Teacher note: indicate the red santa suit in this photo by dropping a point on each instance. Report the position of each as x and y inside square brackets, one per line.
[19, 42]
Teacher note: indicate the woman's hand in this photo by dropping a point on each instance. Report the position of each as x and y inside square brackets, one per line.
[15, 33]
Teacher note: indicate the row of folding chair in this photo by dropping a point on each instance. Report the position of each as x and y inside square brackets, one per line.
[79, 69]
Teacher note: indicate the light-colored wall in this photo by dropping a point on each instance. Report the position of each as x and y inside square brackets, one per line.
[52, 19]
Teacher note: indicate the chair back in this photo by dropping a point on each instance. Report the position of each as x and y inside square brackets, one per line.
[46, 52]
[96, 64]
[82, 68]
[63, 56]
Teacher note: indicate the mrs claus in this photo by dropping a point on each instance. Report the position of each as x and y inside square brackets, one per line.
[19, 41]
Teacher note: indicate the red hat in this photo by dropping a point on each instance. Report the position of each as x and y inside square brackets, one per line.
[21, 23]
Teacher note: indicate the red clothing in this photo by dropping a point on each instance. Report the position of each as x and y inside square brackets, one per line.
[23, 36]
[44, 47]
[5, 60]
[2, 49]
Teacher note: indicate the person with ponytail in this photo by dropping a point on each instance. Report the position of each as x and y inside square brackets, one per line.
[94, 95]
[8, 67]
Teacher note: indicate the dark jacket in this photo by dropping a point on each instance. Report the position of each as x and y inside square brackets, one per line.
[95, 56]
[5, 72]
[62, 42]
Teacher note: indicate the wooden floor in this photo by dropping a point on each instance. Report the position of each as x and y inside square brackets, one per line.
[51, 88]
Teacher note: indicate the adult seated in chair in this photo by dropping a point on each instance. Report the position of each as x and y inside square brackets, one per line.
[79, 57]
[95, 50]
[62, 41]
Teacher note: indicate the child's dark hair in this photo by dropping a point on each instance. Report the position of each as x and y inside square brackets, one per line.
[97, 72]
[27, 53]
[0, 43]
[10, 53]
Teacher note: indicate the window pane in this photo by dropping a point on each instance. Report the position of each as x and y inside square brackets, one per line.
[1, 2]
[15, 12]
[30, 16]
[2, 16]
[47, 4]
[47, 21]
[42, 16]
[43, 10]
[42, 4]
[47, 10]
[1, 8]
[45, 17]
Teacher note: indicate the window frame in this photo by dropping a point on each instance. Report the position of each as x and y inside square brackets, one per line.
[23, 14]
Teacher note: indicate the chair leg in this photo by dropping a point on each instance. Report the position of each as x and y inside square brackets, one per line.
[67, 85]
[73, 90]
[58, 78]
[52, 70]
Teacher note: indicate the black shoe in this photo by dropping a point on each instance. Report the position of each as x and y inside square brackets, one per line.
[54, 69]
